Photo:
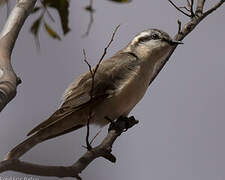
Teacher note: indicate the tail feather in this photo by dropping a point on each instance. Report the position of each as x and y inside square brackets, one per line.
[23, 147]
[35, 139]
[58, 115]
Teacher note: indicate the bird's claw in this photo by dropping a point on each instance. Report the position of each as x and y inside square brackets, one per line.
[122, 124]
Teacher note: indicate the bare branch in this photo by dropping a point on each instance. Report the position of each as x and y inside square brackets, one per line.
[213, 8]
[191, 8]
[179, 26]
[102, 150]
[187, 28]
[89, 147]
[8, 36]
[179, 9]
[93, 73]
[199, 7]
[95, 136]
[184, 7]
[106, 48]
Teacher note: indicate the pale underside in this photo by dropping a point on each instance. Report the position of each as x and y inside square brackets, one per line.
[119, 85]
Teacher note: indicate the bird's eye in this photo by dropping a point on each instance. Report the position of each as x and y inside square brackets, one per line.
[155, 36]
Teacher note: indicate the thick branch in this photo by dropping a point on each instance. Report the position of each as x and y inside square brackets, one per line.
[102, 150]
[8, 36]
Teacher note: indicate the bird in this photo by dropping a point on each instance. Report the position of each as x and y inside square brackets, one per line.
[119, 84]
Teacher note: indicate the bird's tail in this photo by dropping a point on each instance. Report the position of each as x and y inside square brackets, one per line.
[23, 147]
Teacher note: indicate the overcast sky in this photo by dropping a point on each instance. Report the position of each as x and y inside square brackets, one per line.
[182, 116]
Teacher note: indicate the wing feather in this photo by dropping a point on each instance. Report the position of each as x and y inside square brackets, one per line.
[108, 79]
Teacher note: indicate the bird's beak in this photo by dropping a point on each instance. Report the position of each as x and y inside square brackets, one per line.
[174, 42]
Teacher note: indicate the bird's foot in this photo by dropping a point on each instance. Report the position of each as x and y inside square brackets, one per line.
[122, 124]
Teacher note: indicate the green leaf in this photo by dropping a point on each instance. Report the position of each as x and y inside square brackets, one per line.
[121, 1]
[62, 6]
[51, 32]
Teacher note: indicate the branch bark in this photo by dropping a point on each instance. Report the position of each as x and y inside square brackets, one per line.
[199, 7]
[8, 79]
[188, 28]
[102, 150]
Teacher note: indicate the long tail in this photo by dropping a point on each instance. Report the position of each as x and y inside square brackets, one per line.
[37, 138]
[23, 147]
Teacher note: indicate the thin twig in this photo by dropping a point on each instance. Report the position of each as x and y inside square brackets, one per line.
[99, 131]
[174, 5]
[179, 26]
[93, 73]
[199, 7]
[89, 147]
[188, 4]
[191, 8]
[184, 7]
[106, 48]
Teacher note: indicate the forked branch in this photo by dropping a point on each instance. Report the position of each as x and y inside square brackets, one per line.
[179, 8]
[188, 28]
[102, 150]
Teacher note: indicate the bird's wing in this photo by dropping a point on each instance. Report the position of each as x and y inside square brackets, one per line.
[109, 78]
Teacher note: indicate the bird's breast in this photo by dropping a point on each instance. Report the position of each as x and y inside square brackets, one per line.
[126, 96]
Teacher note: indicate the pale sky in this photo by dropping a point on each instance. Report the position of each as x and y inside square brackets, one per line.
[182, 116]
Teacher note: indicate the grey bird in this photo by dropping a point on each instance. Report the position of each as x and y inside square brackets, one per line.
[120, 83]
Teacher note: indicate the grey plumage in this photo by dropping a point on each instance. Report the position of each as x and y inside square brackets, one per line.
[120, 83]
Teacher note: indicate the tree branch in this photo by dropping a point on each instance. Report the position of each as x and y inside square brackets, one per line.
[93, 73]
[187, 28]
[102, 150]
[179, 9]
[8, 36]
[213, 8]
[199, 7]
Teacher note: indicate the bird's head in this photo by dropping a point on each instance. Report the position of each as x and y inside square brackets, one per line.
[152, 44]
